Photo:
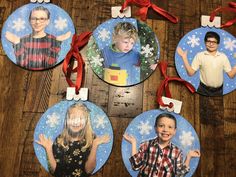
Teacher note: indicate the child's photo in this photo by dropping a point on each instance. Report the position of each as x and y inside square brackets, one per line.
[123, 52]
[37, 36]
[73, 139]
[159, 143]
[205, 57]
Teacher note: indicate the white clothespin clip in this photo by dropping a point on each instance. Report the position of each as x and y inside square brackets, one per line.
[71, 94]
[205, 21]
[40, 1]
[176, 105]
[115, 12]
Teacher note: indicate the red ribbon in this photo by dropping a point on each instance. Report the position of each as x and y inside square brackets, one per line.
[145, 4]
[78, 42]
[165, 87]
[231, 8]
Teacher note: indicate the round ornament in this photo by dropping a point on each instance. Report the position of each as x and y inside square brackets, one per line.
[211, 72]
[142, 129]
[56, 120]
[37, 36]
[123, 51]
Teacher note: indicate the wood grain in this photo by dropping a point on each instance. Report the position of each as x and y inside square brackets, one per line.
[26, 95]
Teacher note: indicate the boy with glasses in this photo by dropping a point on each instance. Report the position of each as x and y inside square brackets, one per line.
[37, 50]
[211, 64]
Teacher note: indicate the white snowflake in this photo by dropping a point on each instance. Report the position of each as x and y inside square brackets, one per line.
[60, 23]
[147, 50]
[186, 138]
[53, 120]
[97, 60]
[230, 44]
[145, 128]
[18, 24]
[103, 34]
[100, 122]
[193, 41]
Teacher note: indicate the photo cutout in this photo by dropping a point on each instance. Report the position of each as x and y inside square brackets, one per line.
[142, 128]
[37, 36]
[211, 54]
[69, 128]
[123, 52]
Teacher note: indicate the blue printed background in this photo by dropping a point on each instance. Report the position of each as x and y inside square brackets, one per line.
[142, 128]
[18, 24]
[51, 125]
[193, 42]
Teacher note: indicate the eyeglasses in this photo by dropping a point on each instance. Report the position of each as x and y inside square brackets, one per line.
[212, 42]
[40, 20]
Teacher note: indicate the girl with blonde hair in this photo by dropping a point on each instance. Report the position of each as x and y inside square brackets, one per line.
[73, 153]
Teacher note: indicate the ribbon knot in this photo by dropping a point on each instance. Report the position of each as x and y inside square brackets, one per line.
[164, 86]
[144, 6]
[78, 42]
[231, 8]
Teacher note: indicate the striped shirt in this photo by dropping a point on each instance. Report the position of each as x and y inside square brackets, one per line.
[37, 53]
[152, 161]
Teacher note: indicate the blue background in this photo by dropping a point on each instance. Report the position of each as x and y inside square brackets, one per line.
[229, 84]
[23, 13]
[60, 109]
[150, 116]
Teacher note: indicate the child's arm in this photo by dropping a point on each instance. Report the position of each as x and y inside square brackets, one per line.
[63, 37]
[187, 66]
[47, 144]
[12, 38]
[232, 73]
[191, 154]
[131, 139]
[91, 162]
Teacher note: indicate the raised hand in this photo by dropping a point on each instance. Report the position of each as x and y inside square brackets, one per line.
[64, 37]
[194, 153]
[44, 141]
[12, 38]
[182, 53]
[101, 140]
[130, 138]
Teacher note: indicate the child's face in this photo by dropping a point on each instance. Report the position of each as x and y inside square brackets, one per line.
[211, 44]
[165, 129]
[124, 44]
[77, 120]
[39, 20]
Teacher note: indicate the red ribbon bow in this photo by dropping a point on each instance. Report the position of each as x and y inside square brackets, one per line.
[145, 4]
[231, 8]
[165, 87]
[78, 42]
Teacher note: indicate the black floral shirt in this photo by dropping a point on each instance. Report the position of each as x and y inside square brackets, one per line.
[70, 159]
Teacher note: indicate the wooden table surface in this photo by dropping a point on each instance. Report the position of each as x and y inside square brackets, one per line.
[25, 95]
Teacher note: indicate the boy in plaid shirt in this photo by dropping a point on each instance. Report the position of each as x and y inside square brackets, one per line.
[159, 157]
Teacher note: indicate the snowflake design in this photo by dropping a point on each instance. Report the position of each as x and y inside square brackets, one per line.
[193, 41]
[60, 23]
[100, 122]
[145, 128]
[53, 120]
[77, 173]
[147, 51]
[18, 24]
[104, 34]
[230, 44]
[186, 138]
[97, 60]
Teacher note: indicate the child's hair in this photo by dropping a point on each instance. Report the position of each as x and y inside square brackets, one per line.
[170, 116]
[40, 8]
[87, 132]
[212, 34]
[125, 29]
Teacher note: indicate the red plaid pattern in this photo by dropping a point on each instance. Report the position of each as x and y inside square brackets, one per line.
[152, 161]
